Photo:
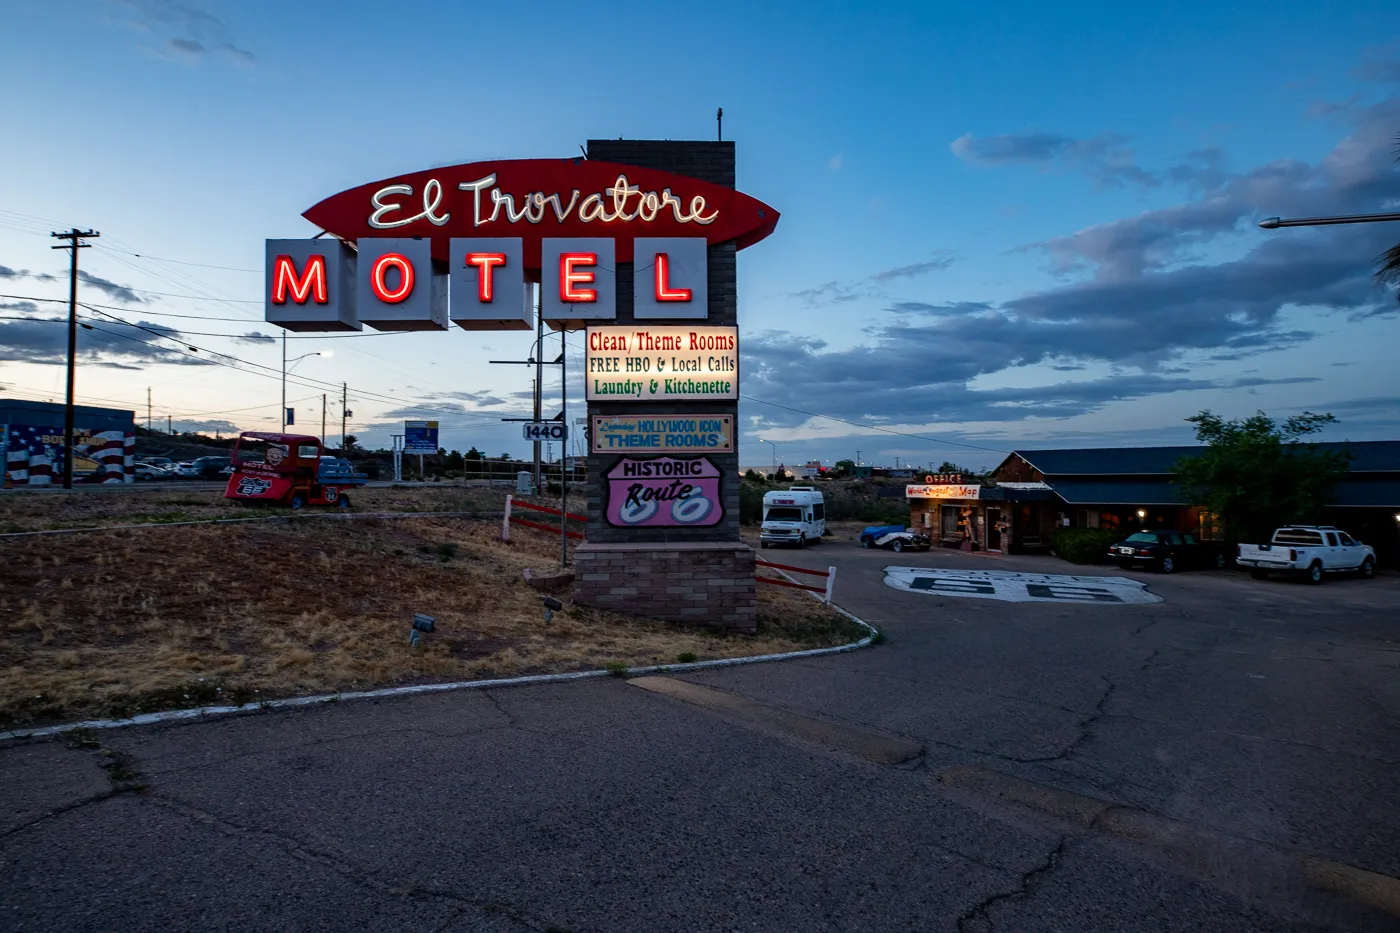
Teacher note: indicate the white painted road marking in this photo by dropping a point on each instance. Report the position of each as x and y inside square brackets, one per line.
[1009, 586]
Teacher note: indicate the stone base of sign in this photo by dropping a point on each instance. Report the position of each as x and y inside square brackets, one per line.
[700, 582]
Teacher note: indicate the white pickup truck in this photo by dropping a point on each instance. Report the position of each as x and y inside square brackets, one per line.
[1309, 551]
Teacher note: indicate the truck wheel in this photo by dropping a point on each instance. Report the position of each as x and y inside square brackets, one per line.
[1314, 573]
[1168, 564]
[1220, 562]
[1368, 569]
[801, 542]
[342, 502]
[1259, 574]
[298, 501]
[763, 544]
[897, 547]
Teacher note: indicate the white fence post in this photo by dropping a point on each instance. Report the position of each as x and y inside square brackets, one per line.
[505, 522]
[830, 583]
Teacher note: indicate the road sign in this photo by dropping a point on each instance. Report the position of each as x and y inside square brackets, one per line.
[420, 437]
[545, 431]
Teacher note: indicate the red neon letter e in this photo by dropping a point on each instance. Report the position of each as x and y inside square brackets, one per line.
[484, 263]
[569, 276]
[310, 284]
[381, 267]
[664, 291]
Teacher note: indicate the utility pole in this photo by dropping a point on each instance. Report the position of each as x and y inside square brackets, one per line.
[284, 380]
[323, 419]
[148, 408]
[563, 453]
[72, 236]
[344, 400]
[169, 425]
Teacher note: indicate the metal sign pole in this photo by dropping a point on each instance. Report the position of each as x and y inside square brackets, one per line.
[564, 455]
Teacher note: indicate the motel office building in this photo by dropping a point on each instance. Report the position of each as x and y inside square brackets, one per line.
[1032, 492]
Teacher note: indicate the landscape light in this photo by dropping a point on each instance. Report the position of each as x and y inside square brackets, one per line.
[1142, 513]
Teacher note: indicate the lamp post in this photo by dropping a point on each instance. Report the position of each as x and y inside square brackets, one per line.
[293, 362]
[775, 452]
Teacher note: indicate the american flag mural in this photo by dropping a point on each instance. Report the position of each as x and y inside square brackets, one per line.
[34, 455]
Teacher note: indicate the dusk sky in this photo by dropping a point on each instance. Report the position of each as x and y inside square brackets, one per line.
[1019, 225]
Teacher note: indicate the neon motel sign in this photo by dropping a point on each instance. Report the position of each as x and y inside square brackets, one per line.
[458, 246]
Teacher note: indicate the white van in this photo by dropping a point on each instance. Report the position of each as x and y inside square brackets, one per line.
[796, 516]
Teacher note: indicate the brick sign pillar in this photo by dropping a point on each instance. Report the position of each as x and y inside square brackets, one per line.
[701, 573]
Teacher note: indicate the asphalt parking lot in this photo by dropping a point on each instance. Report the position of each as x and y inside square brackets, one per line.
[1226, 758]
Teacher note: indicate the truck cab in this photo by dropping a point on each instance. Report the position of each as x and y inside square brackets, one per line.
[796, 517]
[285, 469]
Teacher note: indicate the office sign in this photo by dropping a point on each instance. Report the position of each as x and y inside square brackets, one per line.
[943, 491]
[657, 364]
[663, 492]
[420, 437]
[660, 434]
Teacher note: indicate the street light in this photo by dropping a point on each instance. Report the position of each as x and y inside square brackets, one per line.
[1273, 223]
[775, 452]
[284, 374]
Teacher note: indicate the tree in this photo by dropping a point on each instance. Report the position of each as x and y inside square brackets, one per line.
[948, 466]
[1256, 474]
[845, 467]
[350, 442]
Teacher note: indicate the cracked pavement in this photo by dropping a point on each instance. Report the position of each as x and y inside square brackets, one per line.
[1262, 714]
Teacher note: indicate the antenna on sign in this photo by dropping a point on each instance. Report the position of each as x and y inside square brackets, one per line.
[583, 150]
[719, 124]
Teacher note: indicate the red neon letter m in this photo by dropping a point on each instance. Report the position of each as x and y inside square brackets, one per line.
[310, 284]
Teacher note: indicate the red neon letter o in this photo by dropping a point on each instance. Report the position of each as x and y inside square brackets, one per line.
[376, 278]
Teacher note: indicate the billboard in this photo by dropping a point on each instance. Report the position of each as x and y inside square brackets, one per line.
[420, 437]
[660, 434]
[664, 492]
[657, 364]
[34, 455]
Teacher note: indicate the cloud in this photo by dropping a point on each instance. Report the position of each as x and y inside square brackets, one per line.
[109, 344]
[254, 337]
[193, 32]
[8, 272]
[1107, 158]
[122, 293]
[28, 307]
[1139, 299]
[217, 426]
[838, 292]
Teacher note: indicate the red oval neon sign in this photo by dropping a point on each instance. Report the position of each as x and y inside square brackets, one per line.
[537, 198]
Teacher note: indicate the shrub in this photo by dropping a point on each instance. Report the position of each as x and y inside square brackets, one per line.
[1082, 545]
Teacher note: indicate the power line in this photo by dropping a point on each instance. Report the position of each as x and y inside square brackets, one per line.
[178, 262]
[871, 427]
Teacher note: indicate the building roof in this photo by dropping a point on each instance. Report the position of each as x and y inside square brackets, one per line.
[1118, 492]
[1367, 457]
[18, 411]
[1357, 493]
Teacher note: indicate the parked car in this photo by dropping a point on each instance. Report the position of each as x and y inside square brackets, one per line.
[150, 472]
[1310, 552]
[1167, 551]
[207, 467]
[895, 537]
[165, 463]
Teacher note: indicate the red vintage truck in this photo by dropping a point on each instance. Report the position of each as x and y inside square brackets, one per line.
[287, 470]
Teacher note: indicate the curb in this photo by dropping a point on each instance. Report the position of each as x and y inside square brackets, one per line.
[203, 712]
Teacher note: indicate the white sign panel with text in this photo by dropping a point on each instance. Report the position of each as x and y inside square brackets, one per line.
[647, 364]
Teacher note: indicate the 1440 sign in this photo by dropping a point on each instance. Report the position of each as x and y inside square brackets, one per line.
[545, 431]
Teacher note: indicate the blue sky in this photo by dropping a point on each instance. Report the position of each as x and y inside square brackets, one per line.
[1005, 227]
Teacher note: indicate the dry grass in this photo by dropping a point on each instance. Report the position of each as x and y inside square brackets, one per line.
[117, 622]
[39, 511]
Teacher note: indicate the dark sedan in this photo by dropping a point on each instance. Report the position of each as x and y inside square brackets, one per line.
[1167, 551]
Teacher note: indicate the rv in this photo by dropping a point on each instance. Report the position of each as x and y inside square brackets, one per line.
[795, 516]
